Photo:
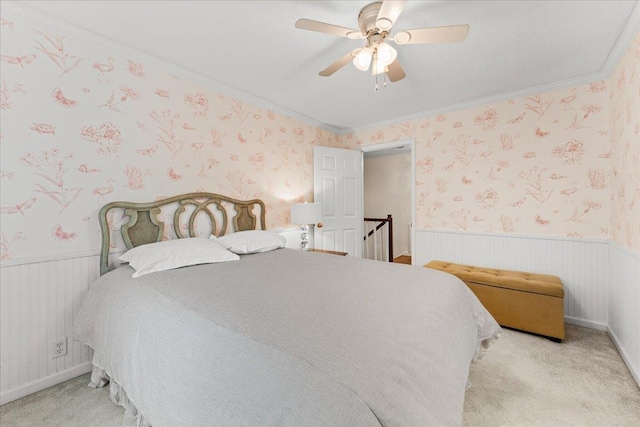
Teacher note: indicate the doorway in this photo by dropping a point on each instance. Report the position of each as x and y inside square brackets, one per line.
[389, 189]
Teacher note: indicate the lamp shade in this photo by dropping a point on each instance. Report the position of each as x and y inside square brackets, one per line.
[306, 213]
[363, 59]
[386, 54]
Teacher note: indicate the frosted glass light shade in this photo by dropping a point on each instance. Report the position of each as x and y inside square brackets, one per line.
[378, 68]
[306, 213]
[363, 59]
[386, 54]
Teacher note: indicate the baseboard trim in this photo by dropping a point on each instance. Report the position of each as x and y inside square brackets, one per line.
[586, 323]
[46, 382]
[519, 236]
[634, 371]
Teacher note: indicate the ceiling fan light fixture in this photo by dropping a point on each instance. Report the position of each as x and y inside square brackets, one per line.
[363, 59]
[378, 68]
[376, 21]
[386, 54]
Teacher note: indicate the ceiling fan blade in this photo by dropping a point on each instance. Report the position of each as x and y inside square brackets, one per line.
[339, 63]
[448, 34]
[395, 72]
[321, 27]
[388, 14]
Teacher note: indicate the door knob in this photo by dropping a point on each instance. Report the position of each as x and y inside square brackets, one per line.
[319, 225]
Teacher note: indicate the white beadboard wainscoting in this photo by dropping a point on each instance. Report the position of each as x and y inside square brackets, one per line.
[581, 264]
[38, 303]
[624, 305]
[601, 278]
[39, 300]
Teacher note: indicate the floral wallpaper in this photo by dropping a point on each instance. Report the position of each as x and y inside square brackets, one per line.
[624, 115]
[82, 126]
[537, 165]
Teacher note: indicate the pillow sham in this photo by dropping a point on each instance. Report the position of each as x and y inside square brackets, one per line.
[251, 241]
[171, 254]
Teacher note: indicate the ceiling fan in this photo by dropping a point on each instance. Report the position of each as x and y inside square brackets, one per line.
[376, 21]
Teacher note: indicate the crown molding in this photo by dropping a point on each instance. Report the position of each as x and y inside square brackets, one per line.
[19, 11]
[627, 36]
[520, 93]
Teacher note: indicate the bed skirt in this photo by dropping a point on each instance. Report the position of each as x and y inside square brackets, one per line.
[132, 417]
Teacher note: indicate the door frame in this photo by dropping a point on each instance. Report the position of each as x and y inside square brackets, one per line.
[398, 144]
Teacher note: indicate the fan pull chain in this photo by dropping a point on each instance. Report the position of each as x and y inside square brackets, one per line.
[384, 81]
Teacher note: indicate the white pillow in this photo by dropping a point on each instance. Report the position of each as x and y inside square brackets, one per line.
[177, 253]
[250, 242]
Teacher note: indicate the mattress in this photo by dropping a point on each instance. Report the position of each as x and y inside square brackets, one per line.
[286, 338]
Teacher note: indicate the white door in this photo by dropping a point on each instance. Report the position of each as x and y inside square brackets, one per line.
[337, 186]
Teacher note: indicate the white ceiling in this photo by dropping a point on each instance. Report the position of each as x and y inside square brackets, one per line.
[253, 47]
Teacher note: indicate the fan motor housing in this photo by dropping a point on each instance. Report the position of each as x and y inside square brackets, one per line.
[367, 18]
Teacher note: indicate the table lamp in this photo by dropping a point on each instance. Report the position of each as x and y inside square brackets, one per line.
[305, 214]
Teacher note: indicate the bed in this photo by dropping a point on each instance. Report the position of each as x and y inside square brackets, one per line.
[285, 337]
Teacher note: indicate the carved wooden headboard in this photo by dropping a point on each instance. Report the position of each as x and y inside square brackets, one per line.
[145, 226]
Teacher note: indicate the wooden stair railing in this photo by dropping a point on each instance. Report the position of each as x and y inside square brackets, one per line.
[383, 221]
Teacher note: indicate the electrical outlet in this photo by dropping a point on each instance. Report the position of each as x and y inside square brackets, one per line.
[59, 348]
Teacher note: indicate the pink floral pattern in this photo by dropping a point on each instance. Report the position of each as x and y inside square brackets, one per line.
[53, 47]
[136, 133]
[550, 164]
[624, 119]
[6, 94]
[63, 101]
[135, 68]
[114, 103]
[7, 243]
[51, 167]
[59, 234]
[532, 165]
[107, 137]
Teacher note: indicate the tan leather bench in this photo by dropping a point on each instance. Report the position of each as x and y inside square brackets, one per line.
[526, 301]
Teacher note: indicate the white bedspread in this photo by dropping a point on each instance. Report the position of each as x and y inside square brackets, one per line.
[287, 338]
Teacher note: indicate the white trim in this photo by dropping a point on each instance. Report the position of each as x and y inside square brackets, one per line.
[36, 18]
[46, 382]
[54, 257]
[519, 236]
[627, 250]
[516, 94]
[624, 41]
[585, 323]
[387, 146]
[625, 357]
[413, 201]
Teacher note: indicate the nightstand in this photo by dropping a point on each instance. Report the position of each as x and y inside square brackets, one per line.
[324, 251]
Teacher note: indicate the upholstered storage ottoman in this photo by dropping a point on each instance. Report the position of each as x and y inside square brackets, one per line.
[525, 301]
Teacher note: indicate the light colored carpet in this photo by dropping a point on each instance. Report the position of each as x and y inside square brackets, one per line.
[524, 380]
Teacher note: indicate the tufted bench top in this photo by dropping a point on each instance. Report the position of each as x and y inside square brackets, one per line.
[526, 282]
